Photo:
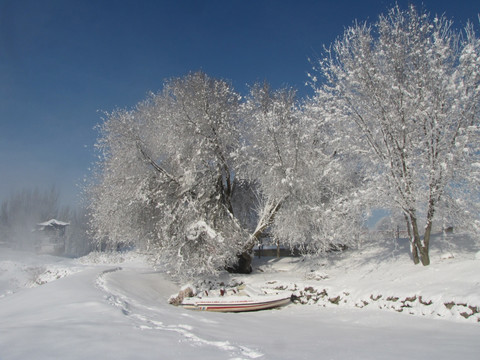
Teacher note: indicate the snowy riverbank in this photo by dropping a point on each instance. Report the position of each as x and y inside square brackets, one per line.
[382, 276]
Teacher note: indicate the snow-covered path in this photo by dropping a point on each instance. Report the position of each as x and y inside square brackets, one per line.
[122, 313]
[297, 331]
[71, 319]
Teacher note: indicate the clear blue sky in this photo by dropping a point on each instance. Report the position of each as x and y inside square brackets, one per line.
[62, 62]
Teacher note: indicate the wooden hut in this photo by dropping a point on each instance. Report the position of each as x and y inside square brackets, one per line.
[50, 237]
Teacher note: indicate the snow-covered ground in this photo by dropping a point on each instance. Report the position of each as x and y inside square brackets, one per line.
[371, 303]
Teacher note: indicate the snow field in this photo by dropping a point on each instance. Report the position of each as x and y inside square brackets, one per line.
[19, 270]
[116, 306]
[378, 276]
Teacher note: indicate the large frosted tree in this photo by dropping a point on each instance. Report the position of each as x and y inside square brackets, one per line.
[306, 186]
[166, 175]
[181, 173]
[405, 94]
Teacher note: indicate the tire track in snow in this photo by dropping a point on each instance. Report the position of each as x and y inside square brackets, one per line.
[144, 322]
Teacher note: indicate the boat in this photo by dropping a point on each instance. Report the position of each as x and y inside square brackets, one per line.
[236, 302]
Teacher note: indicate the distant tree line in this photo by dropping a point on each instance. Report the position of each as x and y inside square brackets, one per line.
[23, 210]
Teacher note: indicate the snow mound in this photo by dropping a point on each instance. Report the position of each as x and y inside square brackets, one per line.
[48, 274]
[446, 256]
[113, 258]
[382, 276]
[20, 270]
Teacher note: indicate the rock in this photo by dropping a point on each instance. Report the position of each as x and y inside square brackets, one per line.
[335, 300]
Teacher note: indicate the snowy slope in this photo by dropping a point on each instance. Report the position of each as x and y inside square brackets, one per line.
[382, 276]
[116, 308]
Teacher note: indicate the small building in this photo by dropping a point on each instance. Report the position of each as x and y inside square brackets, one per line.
[50, 237]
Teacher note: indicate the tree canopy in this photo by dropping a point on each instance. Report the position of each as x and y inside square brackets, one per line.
[405, 92]
[197, 174]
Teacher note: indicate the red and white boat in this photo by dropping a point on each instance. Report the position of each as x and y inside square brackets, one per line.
[237, 302]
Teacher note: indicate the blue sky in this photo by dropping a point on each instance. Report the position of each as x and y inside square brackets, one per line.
[63, 62]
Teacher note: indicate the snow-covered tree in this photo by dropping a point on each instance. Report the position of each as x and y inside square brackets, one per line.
[166, 175]
[299, 175]
[405, 92]
[273, 124]
[78, 241]
[181, 173]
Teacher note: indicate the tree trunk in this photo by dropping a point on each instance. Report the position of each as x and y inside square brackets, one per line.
[426, 244]
[264, 222]
[413, 248]
[419, 247]
[428, 231]
[243, 265]
[425, 257]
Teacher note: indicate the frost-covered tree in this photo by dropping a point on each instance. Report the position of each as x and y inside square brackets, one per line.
[300, 177]
[166, 175]
[273, 124]
[405, 92]
[181, 173]
[78, 241]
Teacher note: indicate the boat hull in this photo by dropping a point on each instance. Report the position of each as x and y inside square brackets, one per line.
[235, 304]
